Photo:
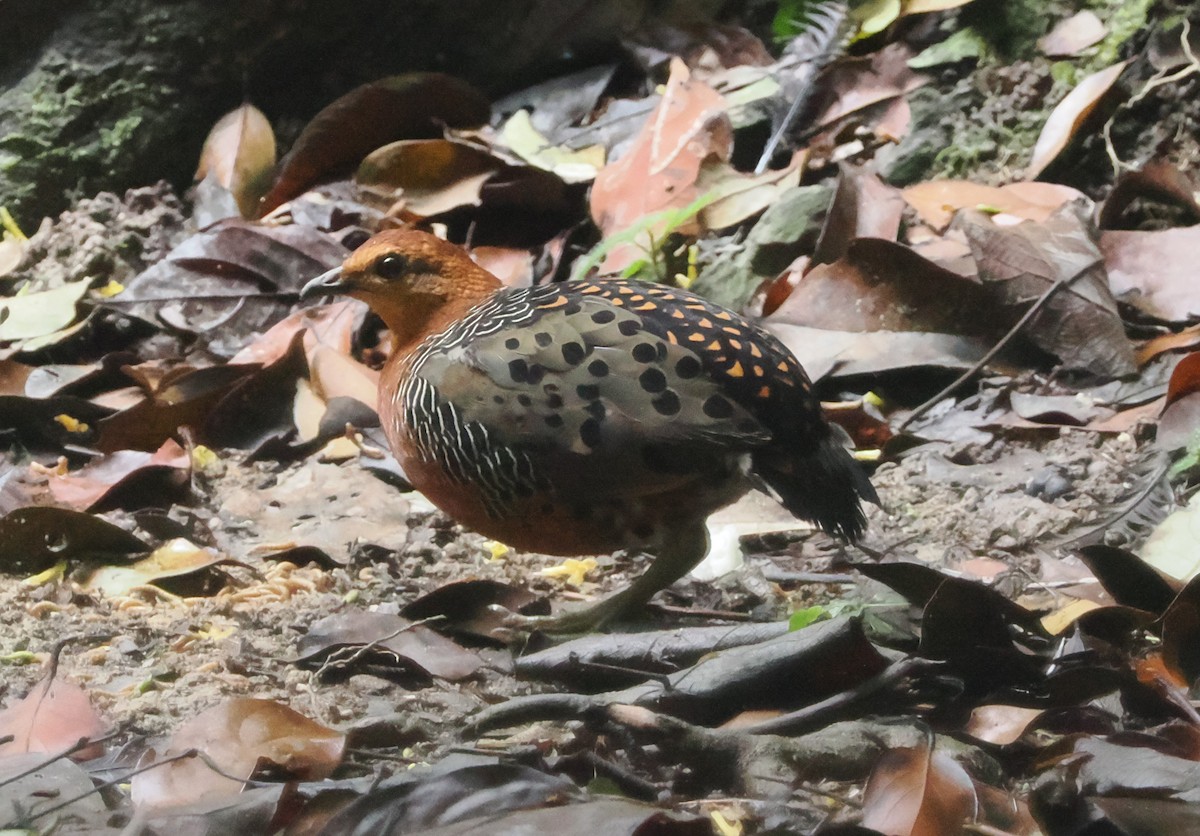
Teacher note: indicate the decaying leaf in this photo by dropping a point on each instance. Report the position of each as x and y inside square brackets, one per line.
[1079, 323]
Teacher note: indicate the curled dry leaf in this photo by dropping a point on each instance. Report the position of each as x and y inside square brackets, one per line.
[1069, 115]
[419, 178]
[240, 737]
[239, 155]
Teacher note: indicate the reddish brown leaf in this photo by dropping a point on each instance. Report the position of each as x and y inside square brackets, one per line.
[410, 106]
[918, 792]
[51, 718]
[660, 170]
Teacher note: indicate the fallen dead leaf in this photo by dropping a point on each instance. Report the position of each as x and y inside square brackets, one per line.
[1069, 115]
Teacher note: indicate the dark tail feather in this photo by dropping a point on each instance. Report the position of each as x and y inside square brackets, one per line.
[826, 487]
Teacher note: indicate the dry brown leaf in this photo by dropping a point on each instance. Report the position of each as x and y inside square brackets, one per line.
[1079, 324]
[239, 736]
[409, 106]
[659, 172]
[1069, 115]
[936, 201]
[420, 178]
[239, 155]
[858, 84]
[918, 792]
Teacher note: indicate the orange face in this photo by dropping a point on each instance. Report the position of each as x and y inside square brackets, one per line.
[412, 279]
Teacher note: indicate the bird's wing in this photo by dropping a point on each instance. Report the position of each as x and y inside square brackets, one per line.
[589, 377]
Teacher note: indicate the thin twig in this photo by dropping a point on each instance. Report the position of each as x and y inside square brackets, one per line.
[190, 753]
[1033, 311]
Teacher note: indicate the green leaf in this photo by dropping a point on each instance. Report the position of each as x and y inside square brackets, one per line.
[809, 615]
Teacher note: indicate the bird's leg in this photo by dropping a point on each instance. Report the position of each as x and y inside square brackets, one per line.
[682, 550]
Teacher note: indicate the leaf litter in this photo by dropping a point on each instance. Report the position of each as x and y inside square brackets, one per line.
[197, 498]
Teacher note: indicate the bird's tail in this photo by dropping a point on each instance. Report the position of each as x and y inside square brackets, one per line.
[825, 486]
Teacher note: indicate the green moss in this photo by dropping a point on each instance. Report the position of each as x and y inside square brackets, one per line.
[1123, 18]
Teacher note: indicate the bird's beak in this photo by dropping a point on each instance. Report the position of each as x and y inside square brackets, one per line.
[328, 282]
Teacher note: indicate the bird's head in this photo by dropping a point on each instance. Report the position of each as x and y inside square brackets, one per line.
[413, 280]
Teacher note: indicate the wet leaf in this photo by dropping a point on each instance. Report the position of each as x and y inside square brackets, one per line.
[1129, 579]
[35, 538]
[409, 106]
[239, 155]
[1069, 116]
[241, 736]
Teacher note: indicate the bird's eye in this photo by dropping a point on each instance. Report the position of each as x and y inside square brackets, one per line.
[391, 266]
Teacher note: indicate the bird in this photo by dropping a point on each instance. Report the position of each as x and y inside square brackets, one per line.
[589, 416]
